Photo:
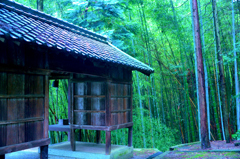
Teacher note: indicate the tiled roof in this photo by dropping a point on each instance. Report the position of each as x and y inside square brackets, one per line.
[23, 23]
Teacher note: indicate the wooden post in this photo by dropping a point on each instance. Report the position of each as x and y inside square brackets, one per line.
[69, 133]
[98, 140]
[108, 106]
[80, 136]
[130, 136]
[46, 108]
[2, 156]
[69, 109]
[108, 142]
[72, 132]
[44, 152]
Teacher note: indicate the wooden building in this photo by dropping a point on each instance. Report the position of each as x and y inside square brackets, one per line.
[35, 47]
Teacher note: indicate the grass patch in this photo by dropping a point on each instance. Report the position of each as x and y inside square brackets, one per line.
[203, 155]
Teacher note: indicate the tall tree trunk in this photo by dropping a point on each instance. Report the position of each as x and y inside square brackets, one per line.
[235, 68]
[207, 98]
[201, 85]
[217, 88]
[40, 5]
[205, 71]
[221, 72]
[196, 75]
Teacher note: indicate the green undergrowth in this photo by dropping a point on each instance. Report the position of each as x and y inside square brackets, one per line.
[157, 135]
[203, 155]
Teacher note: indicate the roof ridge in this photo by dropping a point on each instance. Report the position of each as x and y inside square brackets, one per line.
[35, 14]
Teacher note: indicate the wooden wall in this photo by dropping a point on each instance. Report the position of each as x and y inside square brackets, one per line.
[89, 103]
[22, 98]
[120, 104]
[99, 101]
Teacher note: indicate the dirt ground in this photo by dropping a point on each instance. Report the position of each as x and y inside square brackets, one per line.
[202, 155]
[143, 153]
[194, 151]
[215, 145]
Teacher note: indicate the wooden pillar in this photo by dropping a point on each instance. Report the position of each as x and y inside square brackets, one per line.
[108, 142]
[69, 137]
[72, 139]
[130, 136]
[46, 108]
[80, 136]
[108, 105]
[71, 102]
[69, 108]
[44, 152]
[98, 140]
[2, 156]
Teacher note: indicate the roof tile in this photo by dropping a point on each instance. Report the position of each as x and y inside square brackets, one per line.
[36, 27]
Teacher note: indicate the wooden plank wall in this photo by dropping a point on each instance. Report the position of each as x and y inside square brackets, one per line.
[3, 108]
[22, 108]
[120, 103]
[89, 103]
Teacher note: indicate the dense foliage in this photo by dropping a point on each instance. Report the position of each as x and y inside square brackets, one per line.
[160, 33]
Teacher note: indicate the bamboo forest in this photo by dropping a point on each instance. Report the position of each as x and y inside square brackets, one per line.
[161, 33]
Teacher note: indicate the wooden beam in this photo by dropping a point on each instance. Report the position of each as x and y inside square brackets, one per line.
[89, 96]
[120, 126]
[121, 82]
[23, 146]
[52, 76]
[23, 70]
[120, 111]
[90, 111]
[23, 96]
[59, 127]
[89, 79]
[21, 121]
[90, 127]
[121, 96]
[105, 128]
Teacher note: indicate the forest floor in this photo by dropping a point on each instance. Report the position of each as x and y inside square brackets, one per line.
[218, 150]
[143, 153]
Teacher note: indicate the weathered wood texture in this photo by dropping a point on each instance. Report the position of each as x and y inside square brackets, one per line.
[44, 152]
[25, 145]
[98, 136]
[130, 129]
[89, 103]
[100, 104]
[88, 127]
[97, 102]
[21, 108]
[120, 103]
[99, 97]
[108, 143]
[72, 131]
